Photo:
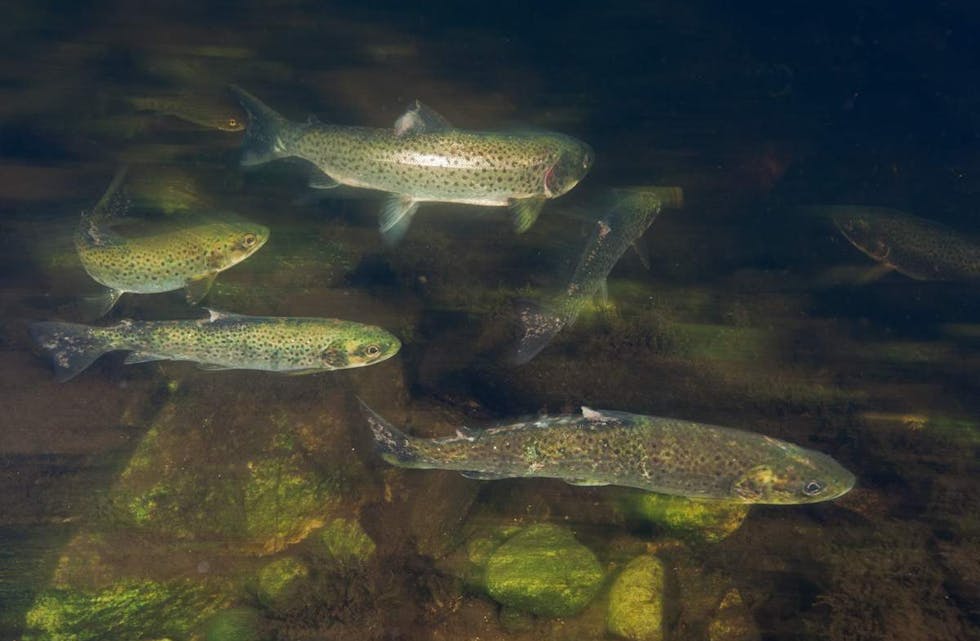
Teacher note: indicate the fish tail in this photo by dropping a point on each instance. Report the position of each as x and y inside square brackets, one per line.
[267, 132]
[72, 347]
[394, 446]
[538, 326]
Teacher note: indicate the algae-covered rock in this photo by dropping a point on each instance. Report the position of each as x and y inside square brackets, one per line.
[732, 622]
[543, 570]
[346, 541]
[278, 581]
[705, 520]
[126, 610]
[233, 624]
[284, 501]
[636, 601]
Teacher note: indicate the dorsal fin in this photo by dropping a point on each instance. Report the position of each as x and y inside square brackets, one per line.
[216, 315]
[590, 414]
[419, 119]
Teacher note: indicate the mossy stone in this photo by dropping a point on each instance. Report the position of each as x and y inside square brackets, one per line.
[543, 570]
[732, 622]
[346, 541]
[233, 624]
[636, 601]
[278, 581]
[704, 520]
[125, 610]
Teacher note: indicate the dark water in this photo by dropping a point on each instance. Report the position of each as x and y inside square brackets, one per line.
[161, 501]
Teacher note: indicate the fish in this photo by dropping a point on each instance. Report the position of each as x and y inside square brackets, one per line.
[630, 214]
[189, 257]
[222, 341]
[604, 447]
[195, 108]
[918, 248]
[422, 159]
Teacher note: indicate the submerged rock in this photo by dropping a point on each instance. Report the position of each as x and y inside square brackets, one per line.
[233, 624]
[636, 609]
[278, 581]
[345, 541]
[733, 622]
[543, 570]
[709, 521]
[129, 609]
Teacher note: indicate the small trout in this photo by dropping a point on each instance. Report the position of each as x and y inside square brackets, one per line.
[663, 455]
[423, 159]
[199, 109]
[190, 257]
[631, 214]
[221, 341]
[919, 248]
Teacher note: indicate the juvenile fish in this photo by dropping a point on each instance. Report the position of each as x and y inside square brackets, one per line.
[189, 257]
[601, 447]
[919, 248]
[630, 215]
[423, 159]
[198, 109]
[221, 341]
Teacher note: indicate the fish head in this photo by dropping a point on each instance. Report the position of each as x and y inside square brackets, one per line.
[801, 476]
[860, 230]
[364, 346]
[234, 242]
[572, 160]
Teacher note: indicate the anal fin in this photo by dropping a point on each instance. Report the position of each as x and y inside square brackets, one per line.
[320, 180]
[525, 212]
[396, 216]
[98, 305]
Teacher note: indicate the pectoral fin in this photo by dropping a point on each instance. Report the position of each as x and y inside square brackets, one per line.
[198, 288]
[213, 367]
[642, 253]
[585, 482]
[525, 211]
[396, 216]
[483, 476]
[420, 119]
[144, 357]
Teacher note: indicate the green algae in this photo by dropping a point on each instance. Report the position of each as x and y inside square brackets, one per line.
[346, 541]
[636, 608]
[732, 622]
[543, 570]
[709, 521]
[278, 581]
[233, 624]
[126, 610]
[283, 502]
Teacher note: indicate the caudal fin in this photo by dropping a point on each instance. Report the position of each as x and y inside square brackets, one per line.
[394, 446]
[267, 132]
[72, 347]
[538, 326]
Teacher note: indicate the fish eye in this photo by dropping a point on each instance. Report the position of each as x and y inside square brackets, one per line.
[232, 122]
[812, 488]
[372, 350]
[249, 240]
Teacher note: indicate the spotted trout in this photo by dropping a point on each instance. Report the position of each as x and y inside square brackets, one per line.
[919, 248]
[221, 341]
[628, 215]
[187, 258]
[423, 159]
[601, 447]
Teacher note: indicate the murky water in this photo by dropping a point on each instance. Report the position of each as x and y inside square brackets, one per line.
[158, 500]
